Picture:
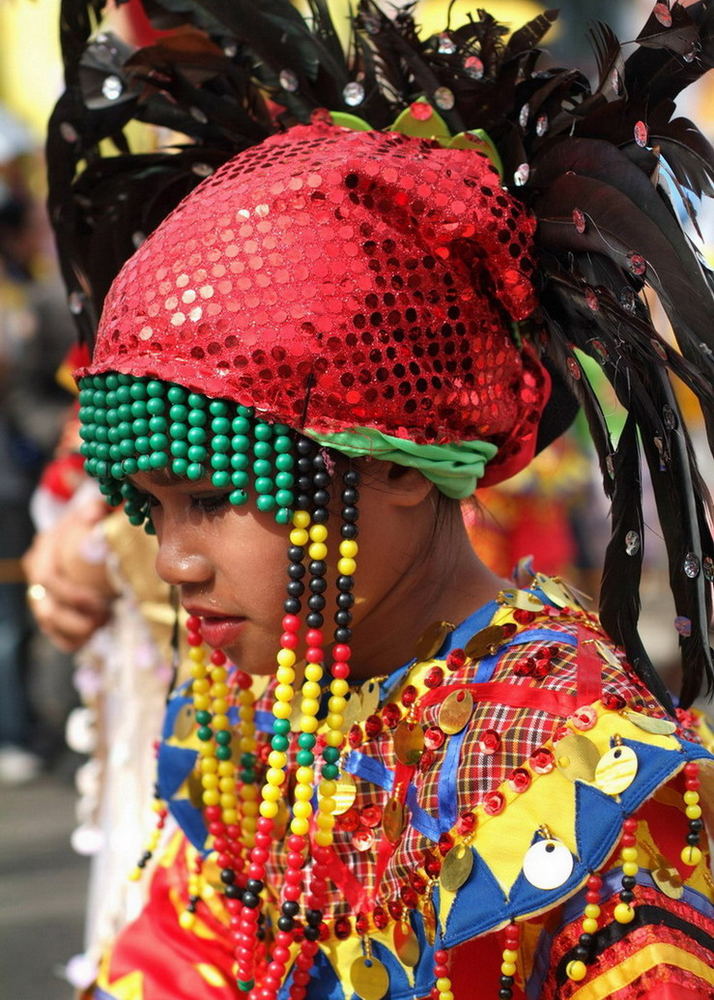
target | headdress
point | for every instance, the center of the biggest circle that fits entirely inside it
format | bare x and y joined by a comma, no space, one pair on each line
239,322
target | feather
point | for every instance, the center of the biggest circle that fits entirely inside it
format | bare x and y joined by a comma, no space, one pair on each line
531,34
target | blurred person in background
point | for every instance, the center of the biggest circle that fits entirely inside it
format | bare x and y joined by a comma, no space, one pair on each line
35,332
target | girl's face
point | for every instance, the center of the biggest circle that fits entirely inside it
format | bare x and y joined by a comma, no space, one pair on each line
230,565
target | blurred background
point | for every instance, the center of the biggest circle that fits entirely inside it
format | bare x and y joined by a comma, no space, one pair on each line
57,813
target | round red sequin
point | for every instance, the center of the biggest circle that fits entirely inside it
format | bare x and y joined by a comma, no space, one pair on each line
493,803
241,292
489,742
391,714
519,779
434,738
456,659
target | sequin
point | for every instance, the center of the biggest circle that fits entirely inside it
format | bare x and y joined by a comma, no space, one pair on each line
353,94
112,88
542,125
574,369
636,263
489,742
663,14
641,133
584,718
494,803
542,761
616,770
447,46
591,300
708,568
434,738
521,175
579,220
628,299
548,864
363,839
519,779
523,116
371,816
288,80
444,98
691,565
683,626
421,111
473,67
68,132
75,302
632,543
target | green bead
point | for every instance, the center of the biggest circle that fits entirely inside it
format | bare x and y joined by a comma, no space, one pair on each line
100,416
138,408
102,434
261,467
238,498
159,442
158,425
203,718
136,519
330,772
197,418
245,985
331,755
240,425
218,408
144,462
248,759
281,726
223,736
179,413
284,480
179,449
126,447
283,444
247,777
221,442
130,466
123,394
112,381
197,453
155,406
306,741
124,379
221,425
102,451
117,470
305,758
240,442
245,411
124,412
98,398
196,435
179,466
278,742
263,432
196,400
223,753
112,417
265,503
239,478
142,445
176,394
178,431
204,733
194,471
115,454
220,462
140,427
137,390
239,461
284,498
262,449
155,388
159,459
149,528
283,515
221,479
264,484
114,435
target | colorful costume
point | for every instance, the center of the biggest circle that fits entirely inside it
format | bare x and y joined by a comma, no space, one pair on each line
514,811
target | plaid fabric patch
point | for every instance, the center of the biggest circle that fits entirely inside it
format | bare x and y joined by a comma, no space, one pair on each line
468,767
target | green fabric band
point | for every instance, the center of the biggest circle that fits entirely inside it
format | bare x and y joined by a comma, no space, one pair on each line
454,468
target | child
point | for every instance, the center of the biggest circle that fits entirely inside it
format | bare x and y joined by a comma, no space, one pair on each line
450,786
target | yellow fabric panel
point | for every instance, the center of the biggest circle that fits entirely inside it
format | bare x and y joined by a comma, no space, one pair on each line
626,972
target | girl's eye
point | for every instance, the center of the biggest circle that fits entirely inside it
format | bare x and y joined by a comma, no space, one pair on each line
210,503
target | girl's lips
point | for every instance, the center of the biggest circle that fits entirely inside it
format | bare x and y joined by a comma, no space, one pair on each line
219,632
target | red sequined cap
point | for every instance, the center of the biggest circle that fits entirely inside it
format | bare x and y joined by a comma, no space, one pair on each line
335,279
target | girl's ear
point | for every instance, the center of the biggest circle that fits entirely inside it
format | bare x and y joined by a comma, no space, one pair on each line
402,486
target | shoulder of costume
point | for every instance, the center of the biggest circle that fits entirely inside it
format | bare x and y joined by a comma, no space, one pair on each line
531,841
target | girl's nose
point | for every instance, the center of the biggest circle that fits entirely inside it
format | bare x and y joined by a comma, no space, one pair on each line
179,560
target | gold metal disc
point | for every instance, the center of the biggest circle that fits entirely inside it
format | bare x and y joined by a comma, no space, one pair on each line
185,722
406,943
455,712
429,915
194,787
660,727
353,711
521,599
577,757
370,979
557,591
369,695
394,820
666,877
432,639
616,770
345,793
409,743
487,641
456,867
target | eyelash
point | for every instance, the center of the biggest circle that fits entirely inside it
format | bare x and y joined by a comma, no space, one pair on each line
207,503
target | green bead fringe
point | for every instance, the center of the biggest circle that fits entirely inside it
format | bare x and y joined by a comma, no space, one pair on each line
131,425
